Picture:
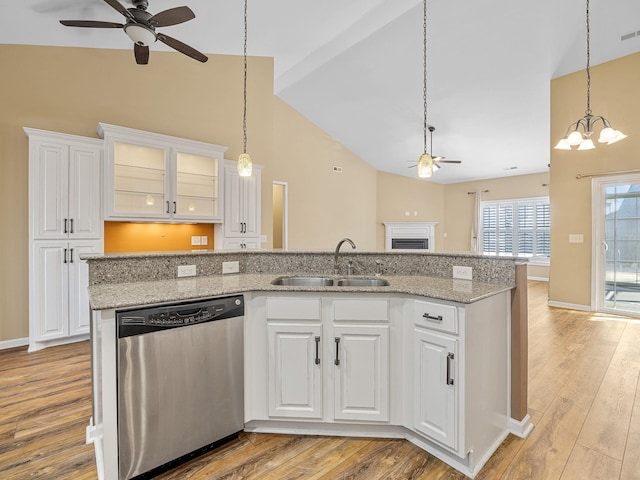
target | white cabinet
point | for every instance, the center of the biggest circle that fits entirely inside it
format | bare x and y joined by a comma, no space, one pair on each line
149,176
65,198
328,359
59,289
242,207
436,399
361,359
65,221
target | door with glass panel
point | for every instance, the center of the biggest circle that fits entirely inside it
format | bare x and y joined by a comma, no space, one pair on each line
616,204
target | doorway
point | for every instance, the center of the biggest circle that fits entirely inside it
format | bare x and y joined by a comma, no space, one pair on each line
280,215
616,208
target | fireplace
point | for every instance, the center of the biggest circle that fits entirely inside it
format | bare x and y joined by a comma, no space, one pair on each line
410,236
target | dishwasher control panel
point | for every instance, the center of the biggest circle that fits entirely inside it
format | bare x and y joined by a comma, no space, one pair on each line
145,320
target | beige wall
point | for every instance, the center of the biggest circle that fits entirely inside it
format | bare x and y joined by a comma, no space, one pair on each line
70,90
459,204
398,195
323,206
614,94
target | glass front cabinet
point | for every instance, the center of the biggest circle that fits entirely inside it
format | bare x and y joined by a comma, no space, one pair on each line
149,176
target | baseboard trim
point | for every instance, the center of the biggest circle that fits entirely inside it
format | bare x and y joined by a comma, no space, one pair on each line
570,306
521,428
538,279
16,342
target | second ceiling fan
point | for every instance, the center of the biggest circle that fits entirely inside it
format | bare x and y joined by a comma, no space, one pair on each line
437,160
141,28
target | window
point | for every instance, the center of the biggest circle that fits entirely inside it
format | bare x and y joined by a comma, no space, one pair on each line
516,227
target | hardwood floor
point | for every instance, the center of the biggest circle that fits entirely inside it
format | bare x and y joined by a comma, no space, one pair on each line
584,399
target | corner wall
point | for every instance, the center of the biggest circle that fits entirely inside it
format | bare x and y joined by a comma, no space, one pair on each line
614,95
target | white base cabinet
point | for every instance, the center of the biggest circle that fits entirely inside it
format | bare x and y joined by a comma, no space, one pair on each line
430,371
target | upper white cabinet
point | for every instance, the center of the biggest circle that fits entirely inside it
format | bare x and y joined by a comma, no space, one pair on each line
65,178
149,176
242,207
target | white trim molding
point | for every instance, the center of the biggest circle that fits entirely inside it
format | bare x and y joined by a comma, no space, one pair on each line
522,428
570,306
16,342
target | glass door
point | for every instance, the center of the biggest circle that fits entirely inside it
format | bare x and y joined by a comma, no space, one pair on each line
618,244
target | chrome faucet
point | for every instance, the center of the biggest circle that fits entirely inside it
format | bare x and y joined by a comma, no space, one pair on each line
336,270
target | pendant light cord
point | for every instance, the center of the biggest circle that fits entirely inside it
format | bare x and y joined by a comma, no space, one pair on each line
588,111
244,93
424,72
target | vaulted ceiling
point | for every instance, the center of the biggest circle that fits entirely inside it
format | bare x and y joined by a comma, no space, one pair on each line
354,67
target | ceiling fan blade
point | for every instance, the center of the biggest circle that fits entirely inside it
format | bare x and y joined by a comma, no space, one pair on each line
173,16
120,8
90,24
141,53
450,161
182,47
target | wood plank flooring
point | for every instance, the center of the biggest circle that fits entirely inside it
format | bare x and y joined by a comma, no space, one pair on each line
584,399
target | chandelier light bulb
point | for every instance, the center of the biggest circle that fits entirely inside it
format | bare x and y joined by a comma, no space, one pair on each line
618,135
563,145
606,134
586,145
574,138
244,165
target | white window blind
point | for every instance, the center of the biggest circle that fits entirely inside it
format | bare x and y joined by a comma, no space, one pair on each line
519,227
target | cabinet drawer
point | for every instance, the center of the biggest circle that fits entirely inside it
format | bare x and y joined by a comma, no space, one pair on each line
293,308
376,310
436,316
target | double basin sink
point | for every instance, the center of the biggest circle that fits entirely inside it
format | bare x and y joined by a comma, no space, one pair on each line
303,281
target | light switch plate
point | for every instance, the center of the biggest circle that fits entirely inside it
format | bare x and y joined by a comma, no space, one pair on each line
463,273
204,240
186,270
230,267
195,239
576,238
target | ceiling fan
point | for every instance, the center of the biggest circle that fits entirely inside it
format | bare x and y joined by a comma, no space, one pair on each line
437,160
141,28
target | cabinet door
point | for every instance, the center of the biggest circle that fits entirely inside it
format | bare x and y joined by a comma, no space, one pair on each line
250,201
85,187
49,189
78,293
295,370
48,309
137,181
233,214
361,372
196,186
435,380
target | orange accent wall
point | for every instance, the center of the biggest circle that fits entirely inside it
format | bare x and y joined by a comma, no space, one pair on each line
151,237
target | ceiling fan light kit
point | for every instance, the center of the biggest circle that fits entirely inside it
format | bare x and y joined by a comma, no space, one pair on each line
140,27
579,133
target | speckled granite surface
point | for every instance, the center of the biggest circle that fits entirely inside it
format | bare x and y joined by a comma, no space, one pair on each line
121,295
124,280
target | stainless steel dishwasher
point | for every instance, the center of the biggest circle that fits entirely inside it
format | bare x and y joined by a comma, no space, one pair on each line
180,382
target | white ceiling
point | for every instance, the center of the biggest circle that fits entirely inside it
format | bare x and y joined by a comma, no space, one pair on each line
354,67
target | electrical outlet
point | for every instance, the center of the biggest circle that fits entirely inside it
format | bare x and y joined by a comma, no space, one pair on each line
186,270
195,239
463,273
230,267
204,240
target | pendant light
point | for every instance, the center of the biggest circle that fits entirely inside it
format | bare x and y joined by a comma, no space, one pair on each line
244,160
425,162
582,139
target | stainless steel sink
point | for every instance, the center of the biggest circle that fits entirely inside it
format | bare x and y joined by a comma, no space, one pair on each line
362,282
303,281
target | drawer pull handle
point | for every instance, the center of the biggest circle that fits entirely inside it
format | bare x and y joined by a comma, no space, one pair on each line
450,358
65,226
431,317
71,223
317,351
337,360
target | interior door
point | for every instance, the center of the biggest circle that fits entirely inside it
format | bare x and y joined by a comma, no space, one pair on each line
616,207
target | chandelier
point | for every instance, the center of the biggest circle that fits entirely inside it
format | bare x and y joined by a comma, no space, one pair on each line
579,133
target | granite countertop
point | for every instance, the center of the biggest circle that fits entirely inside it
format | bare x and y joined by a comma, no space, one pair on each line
122,295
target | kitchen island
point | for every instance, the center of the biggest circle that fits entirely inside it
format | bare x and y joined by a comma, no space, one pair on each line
426,358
